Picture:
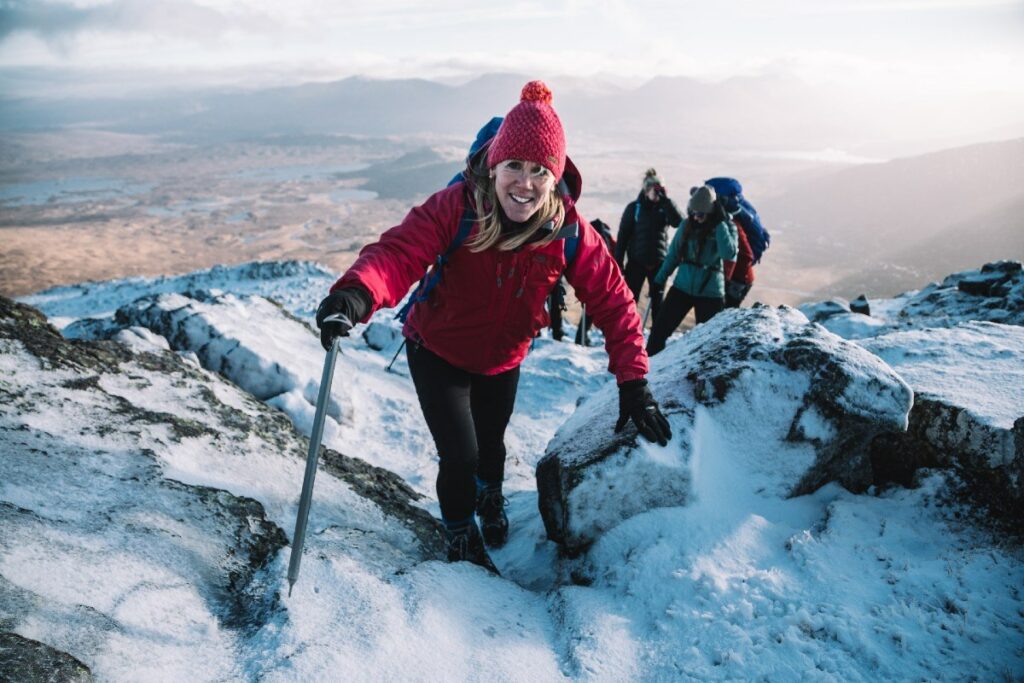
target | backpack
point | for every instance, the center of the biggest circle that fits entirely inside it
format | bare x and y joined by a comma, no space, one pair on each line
433,274
605,231
730,195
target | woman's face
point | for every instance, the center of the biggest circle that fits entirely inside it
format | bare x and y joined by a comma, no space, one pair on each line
521,187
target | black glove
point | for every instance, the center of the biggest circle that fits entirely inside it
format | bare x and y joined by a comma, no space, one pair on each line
660,193
636,402
345,307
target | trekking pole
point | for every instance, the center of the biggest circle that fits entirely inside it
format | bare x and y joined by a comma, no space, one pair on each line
299,537
647,313
583,326
394,357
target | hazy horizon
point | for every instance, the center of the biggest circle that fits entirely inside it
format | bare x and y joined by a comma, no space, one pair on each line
145,119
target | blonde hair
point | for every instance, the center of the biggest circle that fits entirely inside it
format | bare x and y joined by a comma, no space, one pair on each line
485,200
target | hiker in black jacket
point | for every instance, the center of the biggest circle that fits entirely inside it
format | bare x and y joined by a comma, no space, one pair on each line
643,238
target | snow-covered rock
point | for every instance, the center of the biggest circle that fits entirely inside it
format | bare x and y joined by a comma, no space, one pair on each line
144,503
968,384
993,293
382,336
861,305
229,335
817,401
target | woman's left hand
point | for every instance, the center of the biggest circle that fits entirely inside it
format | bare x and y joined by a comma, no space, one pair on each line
637,403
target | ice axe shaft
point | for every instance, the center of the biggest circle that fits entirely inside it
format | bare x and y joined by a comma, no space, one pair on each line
299,537
395,357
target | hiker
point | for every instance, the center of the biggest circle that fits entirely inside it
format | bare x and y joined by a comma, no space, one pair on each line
704,241
753,237
739,281
643,238
466,340
556,307
583,329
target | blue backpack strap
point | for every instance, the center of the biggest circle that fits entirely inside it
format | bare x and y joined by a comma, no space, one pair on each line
433,276
571,244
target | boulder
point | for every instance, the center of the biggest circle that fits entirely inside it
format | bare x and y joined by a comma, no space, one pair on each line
968,412
810,401
860,305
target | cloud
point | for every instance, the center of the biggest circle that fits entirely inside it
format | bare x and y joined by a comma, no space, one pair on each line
53,21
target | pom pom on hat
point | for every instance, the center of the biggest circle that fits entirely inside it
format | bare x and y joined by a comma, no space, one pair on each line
536,91
651,178
531,131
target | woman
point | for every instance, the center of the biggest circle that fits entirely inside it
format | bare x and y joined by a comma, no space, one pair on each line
704,240
468,337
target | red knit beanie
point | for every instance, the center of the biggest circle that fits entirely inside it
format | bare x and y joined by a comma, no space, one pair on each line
531,132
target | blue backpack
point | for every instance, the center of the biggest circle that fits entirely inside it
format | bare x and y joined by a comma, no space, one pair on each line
433,275
730,195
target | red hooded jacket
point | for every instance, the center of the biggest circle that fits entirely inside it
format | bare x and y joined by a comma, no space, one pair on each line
489,305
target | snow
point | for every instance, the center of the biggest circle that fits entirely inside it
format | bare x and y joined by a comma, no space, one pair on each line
736,582
975,365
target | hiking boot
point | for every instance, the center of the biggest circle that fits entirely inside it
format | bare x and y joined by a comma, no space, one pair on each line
490,507
466,545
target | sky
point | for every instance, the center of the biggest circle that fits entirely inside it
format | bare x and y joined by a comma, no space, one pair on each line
70,46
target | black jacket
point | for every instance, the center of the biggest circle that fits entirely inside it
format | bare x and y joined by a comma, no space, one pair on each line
643,231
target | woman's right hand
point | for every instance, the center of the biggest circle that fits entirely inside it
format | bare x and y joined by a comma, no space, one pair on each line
338,312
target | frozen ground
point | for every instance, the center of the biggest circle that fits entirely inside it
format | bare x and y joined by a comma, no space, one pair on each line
890,585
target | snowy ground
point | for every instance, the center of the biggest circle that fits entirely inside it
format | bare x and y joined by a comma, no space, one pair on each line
737,586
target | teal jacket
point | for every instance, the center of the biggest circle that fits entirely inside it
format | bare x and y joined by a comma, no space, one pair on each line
700,274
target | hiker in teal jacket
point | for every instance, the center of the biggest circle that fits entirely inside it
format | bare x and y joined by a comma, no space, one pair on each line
704,241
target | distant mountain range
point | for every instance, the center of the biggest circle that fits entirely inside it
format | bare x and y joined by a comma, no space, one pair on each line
680,114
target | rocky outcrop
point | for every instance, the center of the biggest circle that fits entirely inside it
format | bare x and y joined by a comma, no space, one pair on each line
769,371
127,480
29,661
995,293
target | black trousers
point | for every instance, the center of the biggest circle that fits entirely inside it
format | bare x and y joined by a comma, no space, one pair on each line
677,304
735,293
467,415
635,274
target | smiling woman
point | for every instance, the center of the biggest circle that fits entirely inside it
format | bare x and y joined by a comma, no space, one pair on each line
468,337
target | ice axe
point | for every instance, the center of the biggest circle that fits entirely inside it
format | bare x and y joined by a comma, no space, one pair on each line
395,357
299,537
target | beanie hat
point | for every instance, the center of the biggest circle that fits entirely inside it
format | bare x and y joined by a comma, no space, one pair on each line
651,179
702,199
531,132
